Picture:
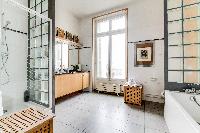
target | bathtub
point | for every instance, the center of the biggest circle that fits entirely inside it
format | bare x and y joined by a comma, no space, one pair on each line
182,114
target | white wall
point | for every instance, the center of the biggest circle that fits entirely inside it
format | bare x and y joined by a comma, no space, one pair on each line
65,19
17,61
145,22
69,22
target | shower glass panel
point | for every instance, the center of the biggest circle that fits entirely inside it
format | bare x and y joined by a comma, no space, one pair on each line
183,41
39,42
27,35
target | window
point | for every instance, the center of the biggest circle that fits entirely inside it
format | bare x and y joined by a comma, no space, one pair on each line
111,47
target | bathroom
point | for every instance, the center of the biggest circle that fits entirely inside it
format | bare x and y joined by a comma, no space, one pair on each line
97,66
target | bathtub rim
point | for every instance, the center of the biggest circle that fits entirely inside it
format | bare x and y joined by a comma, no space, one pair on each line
186,115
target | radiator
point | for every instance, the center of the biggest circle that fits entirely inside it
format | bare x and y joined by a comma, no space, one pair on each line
108,87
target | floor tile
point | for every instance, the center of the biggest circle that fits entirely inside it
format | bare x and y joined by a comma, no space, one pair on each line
101,113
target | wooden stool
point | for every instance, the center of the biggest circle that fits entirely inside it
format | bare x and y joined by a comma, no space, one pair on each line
133,95
27,121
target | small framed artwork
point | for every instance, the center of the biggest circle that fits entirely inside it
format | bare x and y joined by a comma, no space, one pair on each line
144,53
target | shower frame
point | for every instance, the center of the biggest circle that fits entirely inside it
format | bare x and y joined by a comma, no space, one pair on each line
51,41
41,35
175,86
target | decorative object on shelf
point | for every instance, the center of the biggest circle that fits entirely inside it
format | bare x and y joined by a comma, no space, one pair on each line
70,37
75,68
29,120
76,39
66,35
144,54
60,33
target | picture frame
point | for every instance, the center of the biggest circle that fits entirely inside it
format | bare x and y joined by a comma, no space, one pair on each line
144,54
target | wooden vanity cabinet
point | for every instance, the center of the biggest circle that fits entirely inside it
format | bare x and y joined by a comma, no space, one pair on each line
69,83
86,80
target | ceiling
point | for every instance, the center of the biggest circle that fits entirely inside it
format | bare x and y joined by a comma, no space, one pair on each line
83,8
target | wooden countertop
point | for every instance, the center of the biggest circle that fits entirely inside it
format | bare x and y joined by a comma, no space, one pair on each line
69,73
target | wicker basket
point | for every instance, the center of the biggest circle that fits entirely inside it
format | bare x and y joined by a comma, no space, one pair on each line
133,95
27,121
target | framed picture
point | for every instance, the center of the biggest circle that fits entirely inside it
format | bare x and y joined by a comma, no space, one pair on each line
144,53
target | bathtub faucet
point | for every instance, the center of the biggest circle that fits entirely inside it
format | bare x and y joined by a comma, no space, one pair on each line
193,90
196,91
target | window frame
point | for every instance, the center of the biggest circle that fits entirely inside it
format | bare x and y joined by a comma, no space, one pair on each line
110,33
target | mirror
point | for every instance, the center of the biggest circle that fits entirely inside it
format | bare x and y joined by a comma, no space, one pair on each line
66,55
73,55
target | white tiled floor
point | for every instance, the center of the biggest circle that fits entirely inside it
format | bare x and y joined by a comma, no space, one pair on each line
100,113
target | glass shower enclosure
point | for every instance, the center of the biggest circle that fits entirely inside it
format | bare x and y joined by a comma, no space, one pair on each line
183,39
25,54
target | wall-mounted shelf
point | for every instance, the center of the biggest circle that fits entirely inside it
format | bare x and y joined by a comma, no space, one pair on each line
68,42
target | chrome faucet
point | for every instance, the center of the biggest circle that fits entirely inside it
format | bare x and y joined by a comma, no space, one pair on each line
193,90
